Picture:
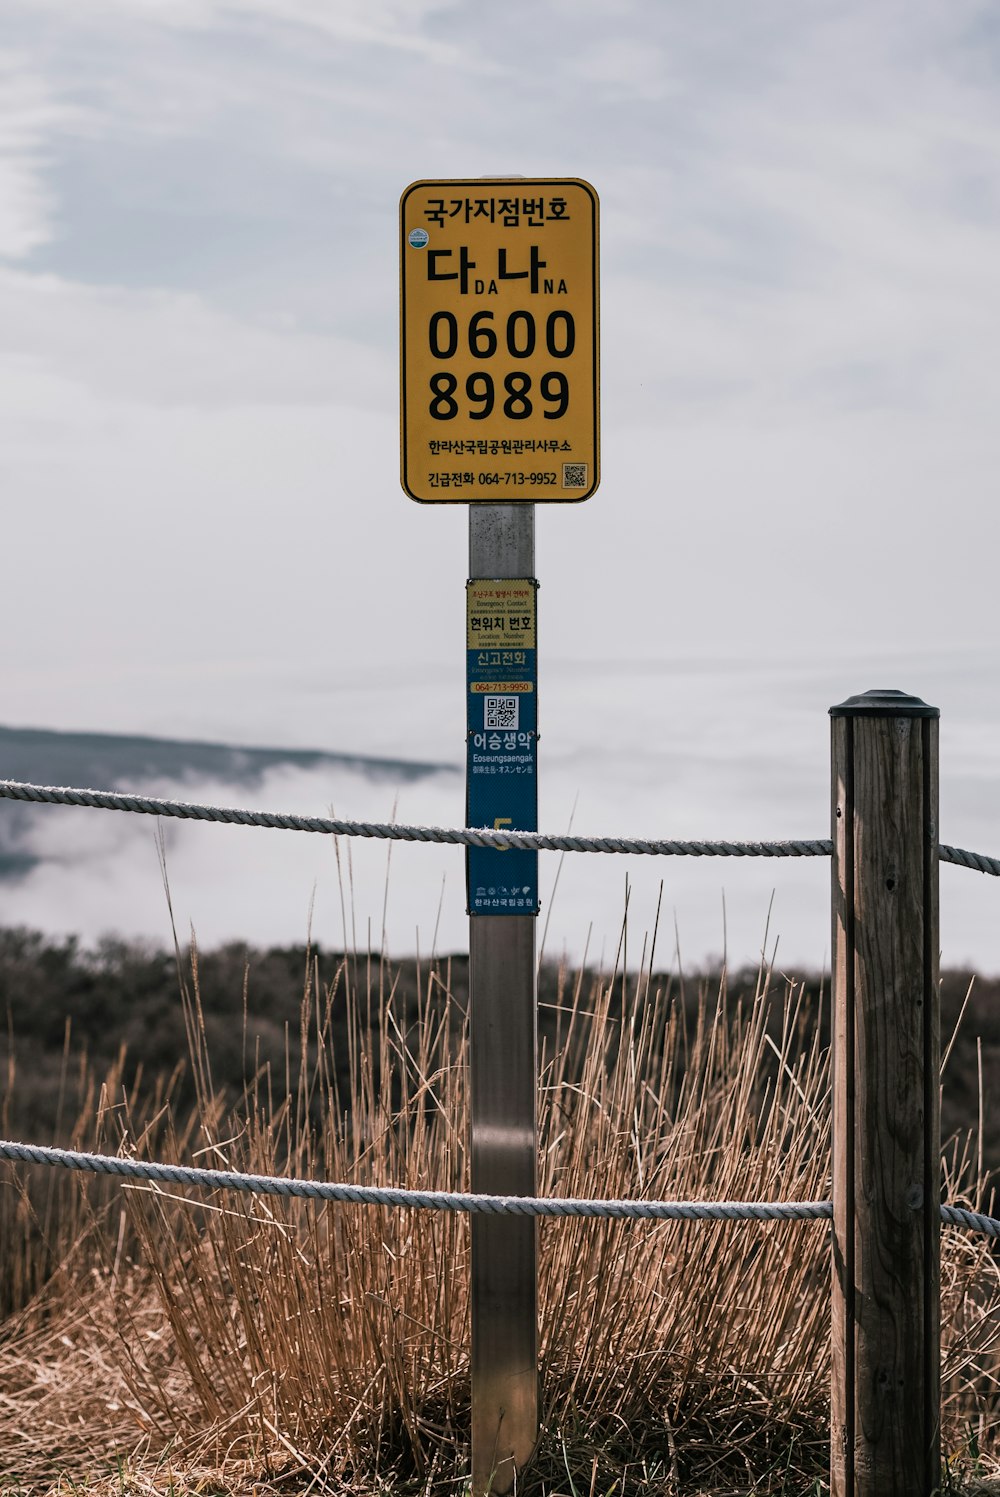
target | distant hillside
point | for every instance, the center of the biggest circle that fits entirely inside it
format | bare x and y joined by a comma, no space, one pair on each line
111,761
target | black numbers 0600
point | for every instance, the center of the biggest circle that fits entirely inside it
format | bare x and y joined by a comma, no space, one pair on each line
482,340
520,334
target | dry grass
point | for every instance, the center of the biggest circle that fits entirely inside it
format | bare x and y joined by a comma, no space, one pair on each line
237,1345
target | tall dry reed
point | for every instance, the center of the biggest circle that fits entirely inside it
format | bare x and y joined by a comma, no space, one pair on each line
328,1344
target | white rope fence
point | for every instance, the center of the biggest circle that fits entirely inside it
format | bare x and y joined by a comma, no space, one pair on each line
208,1179
445,1200
108,800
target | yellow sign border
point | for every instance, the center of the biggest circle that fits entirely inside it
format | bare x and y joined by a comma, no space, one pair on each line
526,493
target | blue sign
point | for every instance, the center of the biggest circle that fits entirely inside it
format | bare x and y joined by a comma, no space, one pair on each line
502,762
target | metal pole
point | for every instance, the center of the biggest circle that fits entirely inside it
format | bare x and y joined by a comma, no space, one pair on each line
503,1042
885,1395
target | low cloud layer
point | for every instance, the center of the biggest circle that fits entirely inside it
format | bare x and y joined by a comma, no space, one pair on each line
198,388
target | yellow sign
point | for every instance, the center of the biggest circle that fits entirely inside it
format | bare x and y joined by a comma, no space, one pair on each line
499,341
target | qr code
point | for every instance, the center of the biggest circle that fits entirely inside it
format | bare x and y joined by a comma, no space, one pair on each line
501,712
574,475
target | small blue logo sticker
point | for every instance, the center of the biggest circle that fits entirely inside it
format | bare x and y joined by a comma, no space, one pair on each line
418,238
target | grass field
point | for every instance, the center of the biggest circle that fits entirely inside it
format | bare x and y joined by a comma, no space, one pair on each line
157,1341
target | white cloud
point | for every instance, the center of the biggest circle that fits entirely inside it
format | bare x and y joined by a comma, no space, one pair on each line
28,117
625,68
173,348
395,24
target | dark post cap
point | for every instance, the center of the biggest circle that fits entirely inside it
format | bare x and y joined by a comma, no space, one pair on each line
884,703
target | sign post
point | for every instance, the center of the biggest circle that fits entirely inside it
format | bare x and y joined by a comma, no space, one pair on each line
499,410
503,901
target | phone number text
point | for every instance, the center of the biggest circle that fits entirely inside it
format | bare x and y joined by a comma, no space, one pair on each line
457,480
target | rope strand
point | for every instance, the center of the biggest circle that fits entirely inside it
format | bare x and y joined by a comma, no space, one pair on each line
446,1200
147,805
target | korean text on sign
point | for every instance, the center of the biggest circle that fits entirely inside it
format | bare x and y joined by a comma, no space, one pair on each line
499,341
502,753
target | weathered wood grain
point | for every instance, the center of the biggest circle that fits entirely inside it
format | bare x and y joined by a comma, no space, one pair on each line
885,1438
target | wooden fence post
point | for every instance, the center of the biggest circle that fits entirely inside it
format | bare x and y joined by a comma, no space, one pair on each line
885,1395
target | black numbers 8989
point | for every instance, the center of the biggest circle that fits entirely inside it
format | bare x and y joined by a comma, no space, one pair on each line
482,396
517,393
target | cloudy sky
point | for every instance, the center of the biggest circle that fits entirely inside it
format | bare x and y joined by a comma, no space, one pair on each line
204,530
